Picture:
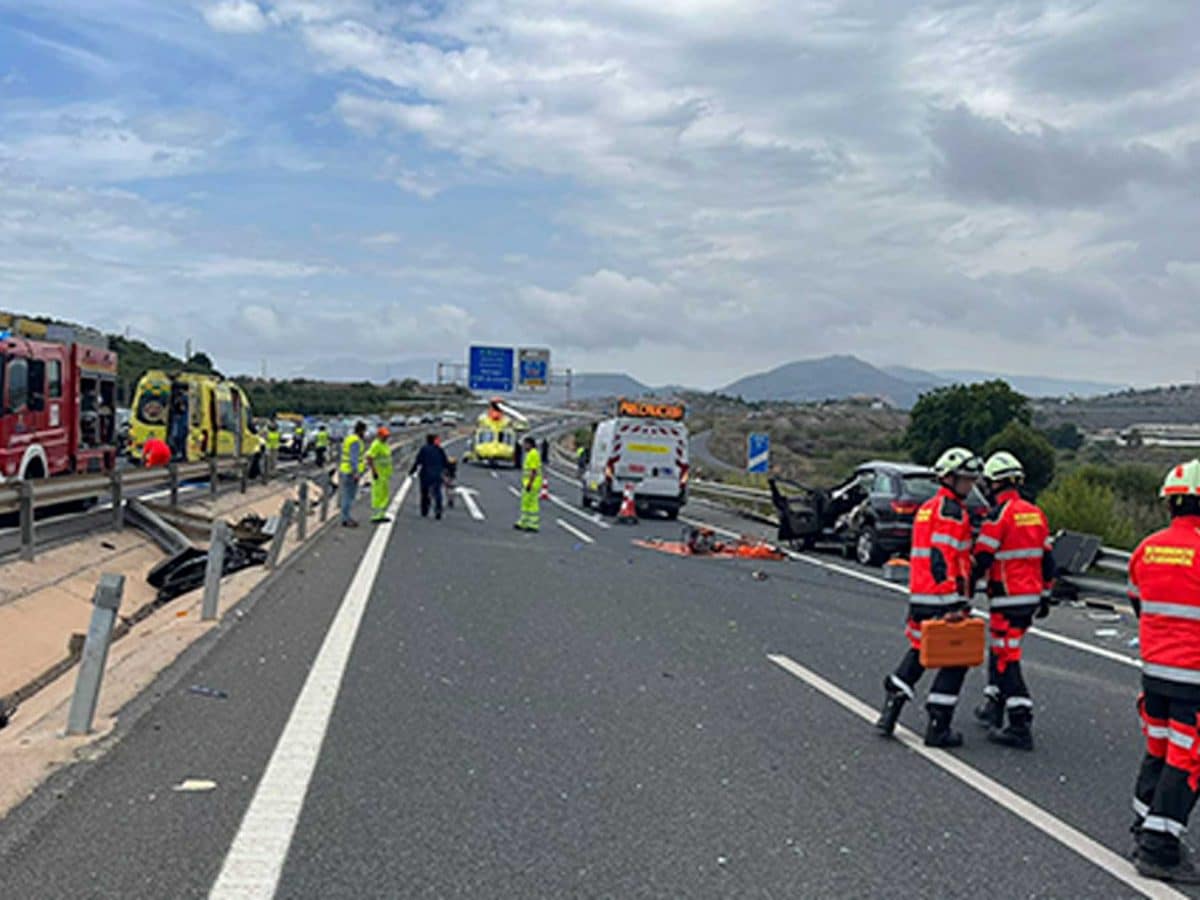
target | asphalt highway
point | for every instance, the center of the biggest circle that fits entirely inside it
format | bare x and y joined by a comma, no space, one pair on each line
499,714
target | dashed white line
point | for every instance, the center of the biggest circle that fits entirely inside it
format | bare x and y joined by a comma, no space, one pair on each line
255,860
567,526
593,518
1051,825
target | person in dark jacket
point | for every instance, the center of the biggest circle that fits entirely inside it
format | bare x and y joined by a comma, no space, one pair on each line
431,464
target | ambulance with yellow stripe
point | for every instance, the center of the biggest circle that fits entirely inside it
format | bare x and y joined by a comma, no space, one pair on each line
645,445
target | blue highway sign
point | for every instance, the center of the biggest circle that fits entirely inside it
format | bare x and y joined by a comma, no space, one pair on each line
491,369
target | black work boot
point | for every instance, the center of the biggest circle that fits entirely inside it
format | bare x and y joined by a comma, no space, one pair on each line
1162,856
1018,733
938,732
893,702
990,713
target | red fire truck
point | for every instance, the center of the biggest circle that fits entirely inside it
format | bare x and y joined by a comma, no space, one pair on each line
58,390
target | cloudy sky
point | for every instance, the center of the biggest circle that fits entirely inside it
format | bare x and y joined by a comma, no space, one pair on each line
684,189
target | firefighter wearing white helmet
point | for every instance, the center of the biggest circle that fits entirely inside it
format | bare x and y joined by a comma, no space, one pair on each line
1013,552
939,587
1164,588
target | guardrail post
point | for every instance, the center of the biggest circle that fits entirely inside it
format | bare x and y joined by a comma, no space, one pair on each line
212,476
25,496
264,466
214,570
118,500
173,476
105,603
285,522
326,491
302,522
243,473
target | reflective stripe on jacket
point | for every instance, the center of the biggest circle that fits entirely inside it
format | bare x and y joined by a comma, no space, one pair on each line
940,562
1164,575
1013,548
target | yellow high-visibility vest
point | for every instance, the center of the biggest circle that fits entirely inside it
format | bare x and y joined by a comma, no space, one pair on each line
347,454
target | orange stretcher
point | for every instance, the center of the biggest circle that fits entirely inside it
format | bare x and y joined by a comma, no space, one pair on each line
701,542
951,643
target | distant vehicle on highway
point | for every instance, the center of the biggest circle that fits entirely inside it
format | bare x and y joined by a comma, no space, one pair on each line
428,418
449,417
413,421
868,517
645,445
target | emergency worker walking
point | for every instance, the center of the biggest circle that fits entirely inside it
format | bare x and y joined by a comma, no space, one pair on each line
350,468
379,460
1013,551
531,488
939,587
298,437
1164,588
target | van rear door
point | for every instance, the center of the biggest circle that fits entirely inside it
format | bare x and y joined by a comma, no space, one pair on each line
651,455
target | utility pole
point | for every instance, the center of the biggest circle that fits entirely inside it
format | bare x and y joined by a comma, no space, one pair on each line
187,350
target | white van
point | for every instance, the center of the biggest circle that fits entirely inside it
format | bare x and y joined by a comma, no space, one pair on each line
649,453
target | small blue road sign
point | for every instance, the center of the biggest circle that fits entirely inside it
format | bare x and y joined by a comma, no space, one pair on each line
758,453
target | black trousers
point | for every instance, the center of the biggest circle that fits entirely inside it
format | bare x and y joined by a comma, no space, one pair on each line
1169,775
947,683
431,495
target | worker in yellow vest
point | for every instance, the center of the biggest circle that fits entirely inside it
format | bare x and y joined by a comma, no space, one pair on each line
531,488
321,442
379,461
352,465
273,441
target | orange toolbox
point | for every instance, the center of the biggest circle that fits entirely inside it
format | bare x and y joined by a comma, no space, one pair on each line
946,644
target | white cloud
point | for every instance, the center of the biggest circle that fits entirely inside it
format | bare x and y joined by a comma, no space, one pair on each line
235,17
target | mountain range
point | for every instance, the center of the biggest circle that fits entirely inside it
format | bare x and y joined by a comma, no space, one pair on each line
836,377
847,376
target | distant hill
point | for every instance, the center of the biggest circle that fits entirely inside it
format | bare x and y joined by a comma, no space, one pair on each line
828,377
1030,385
593,385
1174,405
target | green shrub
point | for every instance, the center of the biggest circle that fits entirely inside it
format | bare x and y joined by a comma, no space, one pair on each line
1078,503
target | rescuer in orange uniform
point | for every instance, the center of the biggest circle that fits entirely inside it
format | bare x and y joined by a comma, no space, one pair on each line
1164,588
1013,551
939,585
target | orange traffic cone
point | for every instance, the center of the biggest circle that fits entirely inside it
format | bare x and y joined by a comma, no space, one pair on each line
628,513
545,494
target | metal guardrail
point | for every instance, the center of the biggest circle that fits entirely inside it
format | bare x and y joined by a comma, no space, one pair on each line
25,498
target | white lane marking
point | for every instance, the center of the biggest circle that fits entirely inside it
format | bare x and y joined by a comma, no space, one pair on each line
567,526
468,497
1065,834
1053,636
255,860
592,518
495,474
